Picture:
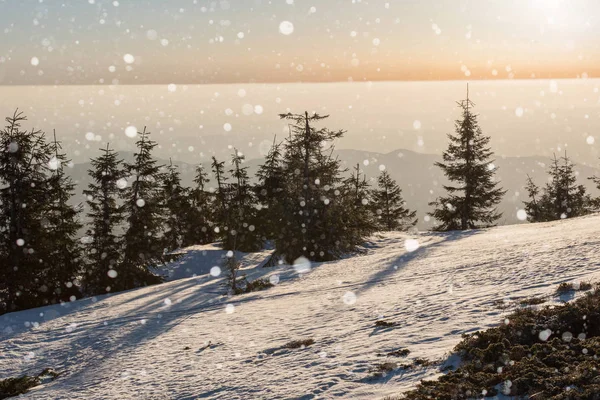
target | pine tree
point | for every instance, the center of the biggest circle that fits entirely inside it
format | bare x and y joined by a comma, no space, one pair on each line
594,203
555,192
534,207
561,198
242,210
176,203
63,258
201,230
358,206
105,216
471,203
269,190
233,283
24,158
576,201
314,221
390,208
221,203
145,213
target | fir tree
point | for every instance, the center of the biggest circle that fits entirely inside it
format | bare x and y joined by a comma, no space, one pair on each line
390,208
270,187
533,207
145,213
314,221
561,197
176,204
201,213
233,283
358,206
594,203
555,193
105,216
24,158
242,210
471,203
63,259
221,207
575,200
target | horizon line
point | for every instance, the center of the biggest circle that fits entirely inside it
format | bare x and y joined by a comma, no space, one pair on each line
303,82
366,151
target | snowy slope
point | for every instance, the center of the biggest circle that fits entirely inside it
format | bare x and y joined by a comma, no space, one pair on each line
132,344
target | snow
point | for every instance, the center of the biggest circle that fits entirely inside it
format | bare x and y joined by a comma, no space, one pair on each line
197,261
131,131
129,59
286,28
133,344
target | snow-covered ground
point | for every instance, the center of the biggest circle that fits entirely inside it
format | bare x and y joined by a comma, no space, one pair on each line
185,340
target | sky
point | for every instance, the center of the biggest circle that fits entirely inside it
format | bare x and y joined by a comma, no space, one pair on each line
191,123
246,41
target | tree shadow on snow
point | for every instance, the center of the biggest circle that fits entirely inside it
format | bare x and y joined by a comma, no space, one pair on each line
423,251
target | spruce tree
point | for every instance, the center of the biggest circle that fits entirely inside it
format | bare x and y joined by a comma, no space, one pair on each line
561,197
594,203
233,283
144,211
535,207
63,258
390,208
242,210
555,192
201,230
358,206
221,201
24,157
104,246
315,219
471,202
576,201
269,190
333,220
178,209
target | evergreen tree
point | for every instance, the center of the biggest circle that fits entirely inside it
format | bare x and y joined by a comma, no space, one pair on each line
104,245
63,258
575,200
24,158
390,208
221,203
594,203
201,213
470,203
233,282
176,203
270,188
145,213
314,221
243,209
561,197
533,207
555,194
358,206
333,221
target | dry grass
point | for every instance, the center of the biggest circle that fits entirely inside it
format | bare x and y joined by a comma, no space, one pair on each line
532,301
299,344
568,287
384,324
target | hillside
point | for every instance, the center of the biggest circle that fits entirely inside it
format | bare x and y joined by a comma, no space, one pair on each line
416,174
185,340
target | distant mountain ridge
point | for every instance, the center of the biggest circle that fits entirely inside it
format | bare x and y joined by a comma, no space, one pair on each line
416,174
